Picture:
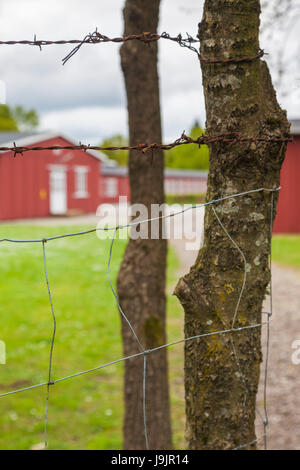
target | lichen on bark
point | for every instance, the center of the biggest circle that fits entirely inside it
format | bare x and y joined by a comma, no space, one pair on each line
239,98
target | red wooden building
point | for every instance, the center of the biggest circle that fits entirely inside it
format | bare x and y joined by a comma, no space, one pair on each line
47,182
288,213
58,182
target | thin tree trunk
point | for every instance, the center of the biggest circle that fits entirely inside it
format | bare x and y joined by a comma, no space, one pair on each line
141,280
239,98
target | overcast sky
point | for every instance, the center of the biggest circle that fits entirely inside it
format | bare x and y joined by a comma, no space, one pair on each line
85,99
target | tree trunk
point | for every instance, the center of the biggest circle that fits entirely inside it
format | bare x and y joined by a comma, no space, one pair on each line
141,280
239,98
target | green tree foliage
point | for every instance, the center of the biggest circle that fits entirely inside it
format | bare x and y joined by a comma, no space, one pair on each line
120,156
189,157
17,119
26,120
7,120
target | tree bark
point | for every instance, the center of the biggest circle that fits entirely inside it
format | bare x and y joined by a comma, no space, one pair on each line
141,280
239,97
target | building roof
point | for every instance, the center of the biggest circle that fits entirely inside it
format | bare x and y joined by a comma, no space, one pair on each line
170,172
295,126
14,136
8,139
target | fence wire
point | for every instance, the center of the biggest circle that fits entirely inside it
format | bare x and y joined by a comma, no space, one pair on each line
146,38
230,138
230,329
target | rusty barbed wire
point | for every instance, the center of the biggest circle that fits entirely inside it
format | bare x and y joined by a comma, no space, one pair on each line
145,37
96,38
229,138
233,60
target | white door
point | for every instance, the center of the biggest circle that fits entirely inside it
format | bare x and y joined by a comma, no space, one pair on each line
58,191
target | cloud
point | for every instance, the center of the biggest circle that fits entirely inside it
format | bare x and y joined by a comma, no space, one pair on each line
87,96
85,81
88,124
38,79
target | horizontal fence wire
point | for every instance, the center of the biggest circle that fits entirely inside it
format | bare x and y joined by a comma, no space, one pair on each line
146,37
231,330
231,138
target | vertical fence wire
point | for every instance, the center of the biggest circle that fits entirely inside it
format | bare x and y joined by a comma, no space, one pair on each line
266,418
237,361
134,334
52,343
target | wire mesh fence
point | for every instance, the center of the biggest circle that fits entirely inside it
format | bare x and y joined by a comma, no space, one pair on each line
146,352
229,139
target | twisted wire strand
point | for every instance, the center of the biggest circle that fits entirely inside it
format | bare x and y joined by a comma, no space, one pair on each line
132,224
132,356
145,37
231,138
144,352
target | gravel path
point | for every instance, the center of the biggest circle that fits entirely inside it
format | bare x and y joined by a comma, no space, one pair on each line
284,377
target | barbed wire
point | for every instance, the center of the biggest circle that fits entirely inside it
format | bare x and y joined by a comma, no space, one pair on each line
145,352
229,138
145,37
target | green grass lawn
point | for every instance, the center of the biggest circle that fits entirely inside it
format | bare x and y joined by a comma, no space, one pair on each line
84,412
286,250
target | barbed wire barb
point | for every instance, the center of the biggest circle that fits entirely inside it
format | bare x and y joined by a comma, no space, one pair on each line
145,37
231,138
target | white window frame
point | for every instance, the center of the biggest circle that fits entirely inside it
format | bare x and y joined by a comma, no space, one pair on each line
111,187
81,182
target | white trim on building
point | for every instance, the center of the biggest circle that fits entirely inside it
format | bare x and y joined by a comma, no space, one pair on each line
81,182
